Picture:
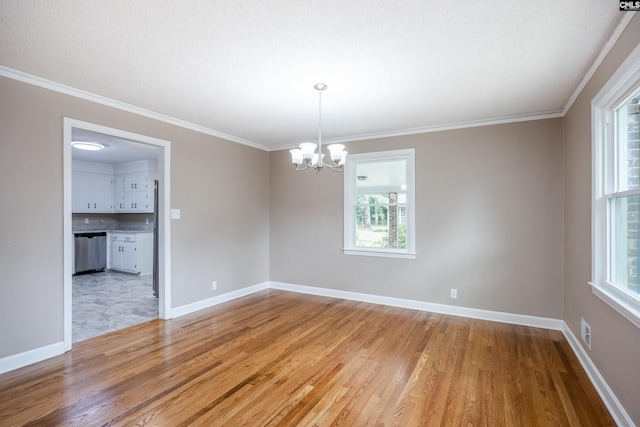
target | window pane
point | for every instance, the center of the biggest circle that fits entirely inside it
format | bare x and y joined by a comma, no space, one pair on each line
628,145
381,227
370,235
624,243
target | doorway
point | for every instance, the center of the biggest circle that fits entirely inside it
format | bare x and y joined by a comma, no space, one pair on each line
73,128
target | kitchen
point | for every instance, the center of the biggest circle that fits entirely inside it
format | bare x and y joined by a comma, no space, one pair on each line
114,214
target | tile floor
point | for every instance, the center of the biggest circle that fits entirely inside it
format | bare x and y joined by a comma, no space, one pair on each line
107,301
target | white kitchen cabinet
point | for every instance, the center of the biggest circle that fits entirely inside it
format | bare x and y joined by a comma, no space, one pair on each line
118,193
134,192
91,192
131,252
123,252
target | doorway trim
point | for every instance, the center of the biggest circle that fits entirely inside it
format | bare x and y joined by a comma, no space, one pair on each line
163,226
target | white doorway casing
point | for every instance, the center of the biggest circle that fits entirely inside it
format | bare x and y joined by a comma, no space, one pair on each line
163,226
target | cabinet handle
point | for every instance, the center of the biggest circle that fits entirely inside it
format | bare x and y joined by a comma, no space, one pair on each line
135,185
95,206
88,205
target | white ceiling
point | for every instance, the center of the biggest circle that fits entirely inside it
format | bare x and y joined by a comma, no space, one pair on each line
116,151
246,68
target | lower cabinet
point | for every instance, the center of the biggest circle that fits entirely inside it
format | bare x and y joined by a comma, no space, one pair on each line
131,252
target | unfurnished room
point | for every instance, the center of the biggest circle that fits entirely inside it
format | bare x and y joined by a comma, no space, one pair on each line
309,213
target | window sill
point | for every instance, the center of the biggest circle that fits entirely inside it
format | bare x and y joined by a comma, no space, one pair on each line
378,253
618,303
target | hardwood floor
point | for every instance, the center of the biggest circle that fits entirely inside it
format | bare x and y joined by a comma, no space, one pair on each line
279,358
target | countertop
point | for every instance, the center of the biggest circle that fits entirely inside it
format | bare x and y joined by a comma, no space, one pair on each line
112,231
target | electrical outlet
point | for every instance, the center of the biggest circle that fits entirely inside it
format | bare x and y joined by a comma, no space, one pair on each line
214,285
86,220
454,293
585,333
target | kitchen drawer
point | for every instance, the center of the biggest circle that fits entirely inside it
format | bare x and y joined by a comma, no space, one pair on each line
122,237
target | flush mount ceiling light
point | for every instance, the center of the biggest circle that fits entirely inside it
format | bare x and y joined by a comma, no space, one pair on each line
306,157
87,145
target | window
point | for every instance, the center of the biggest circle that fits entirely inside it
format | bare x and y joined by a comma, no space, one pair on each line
379,204
616,190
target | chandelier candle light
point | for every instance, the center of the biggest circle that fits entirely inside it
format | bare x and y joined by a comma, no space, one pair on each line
306,157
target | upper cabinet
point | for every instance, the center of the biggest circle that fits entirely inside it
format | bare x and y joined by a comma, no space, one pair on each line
92,192
102,188
134,192
133,186
91,187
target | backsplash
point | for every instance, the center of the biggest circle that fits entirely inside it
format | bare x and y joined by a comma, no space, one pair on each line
112,222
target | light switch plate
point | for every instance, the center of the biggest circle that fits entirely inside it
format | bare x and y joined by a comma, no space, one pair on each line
175,213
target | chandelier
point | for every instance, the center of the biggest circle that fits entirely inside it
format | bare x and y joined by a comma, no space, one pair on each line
306,157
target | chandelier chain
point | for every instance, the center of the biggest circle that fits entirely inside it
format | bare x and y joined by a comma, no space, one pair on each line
320,121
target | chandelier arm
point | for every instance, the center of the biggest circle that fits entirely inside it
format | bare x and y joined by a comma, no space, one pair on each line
336,168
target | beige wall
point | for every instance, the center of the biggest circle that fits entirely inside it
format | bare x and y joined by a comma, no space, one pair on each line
220,187
489,222
615,347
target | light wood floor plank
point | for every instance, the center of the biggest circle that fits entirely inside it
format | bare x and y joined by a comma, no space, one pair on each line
283,359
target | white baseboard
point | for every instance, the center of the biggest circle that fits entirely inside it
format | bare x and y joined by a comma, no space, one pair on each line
610,400
474,313
20,360
219,299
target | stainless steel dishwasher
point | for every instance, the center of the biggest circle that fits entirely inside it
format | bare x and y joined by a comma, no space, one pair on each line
90,252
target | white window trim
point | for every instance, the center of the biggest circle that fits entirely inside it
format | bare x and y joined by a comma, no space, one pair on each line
619,86
349,189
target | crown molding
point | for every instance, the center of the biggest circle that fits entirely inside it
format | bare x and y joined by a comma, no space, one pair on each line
58,87
68,90
501,120
435,128
603,53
